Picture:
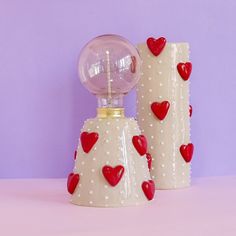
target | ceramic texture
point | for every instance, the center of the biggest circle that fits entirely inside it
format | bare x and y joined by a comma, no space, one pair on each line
161,82
113,148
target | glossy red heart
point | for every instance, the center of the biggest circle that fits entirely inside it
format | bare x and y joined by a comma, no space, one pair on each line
160,109
149,189
156,45
140,144
72,181
190,110
184,70
149,160
88,140
75,154
187,151
113,175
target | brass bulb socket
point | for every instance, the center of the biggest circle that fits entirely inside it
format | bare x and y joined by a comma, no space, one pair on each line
110,112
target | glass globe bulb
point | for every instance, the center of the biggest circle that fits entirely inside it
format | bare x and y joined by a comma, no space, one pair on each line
109,67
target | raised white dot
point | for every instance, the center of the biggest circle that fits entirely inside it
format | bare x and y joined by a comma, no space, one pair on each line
82,163
149,114
107,141
150,125
149,66
122,202
107,131
95,148
152,168
106,197
78,195
94,159
160,96
161,84
162,143
105,186
117,127
183,173
92,170
91,192
149,78
160,61
163,174
153,177
142,96
80,185
81,173
152,147
142,119
163,154
91,181
159,72
90,202
162,131
152,137
107,162
142,108
150,90
108,123
142,85
162,165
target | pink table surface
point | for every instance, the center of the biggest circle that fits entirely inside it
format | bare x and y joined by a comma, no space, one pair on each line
41,207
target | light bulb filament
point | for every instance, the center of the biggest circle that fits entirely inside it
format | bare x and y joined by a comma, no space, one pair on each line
108,77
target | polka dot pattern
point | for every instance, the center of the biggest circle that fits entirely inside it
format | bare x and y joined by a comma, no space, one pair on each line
160,81
114,147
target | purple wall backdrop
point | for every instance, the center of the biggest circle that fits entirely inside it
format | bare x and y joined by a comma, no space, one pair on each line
42,103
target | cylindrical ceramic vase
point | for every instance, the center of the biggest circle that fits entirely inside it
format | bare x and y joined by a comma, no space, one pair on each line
163,113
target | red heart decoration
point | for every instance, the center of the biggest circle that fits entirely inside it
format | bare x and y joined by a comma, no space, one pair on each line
190,110
72,181
156,45
187,151
149,189
75,154
160,109
184,70
88,140
113,174
149,160
140,144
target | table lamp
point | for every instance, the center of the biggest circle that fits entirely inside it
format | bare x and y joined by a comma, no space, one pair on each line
111,162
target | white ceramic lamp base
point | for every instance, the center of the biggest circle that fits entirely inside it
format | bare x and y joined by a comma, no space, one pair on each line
109,171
